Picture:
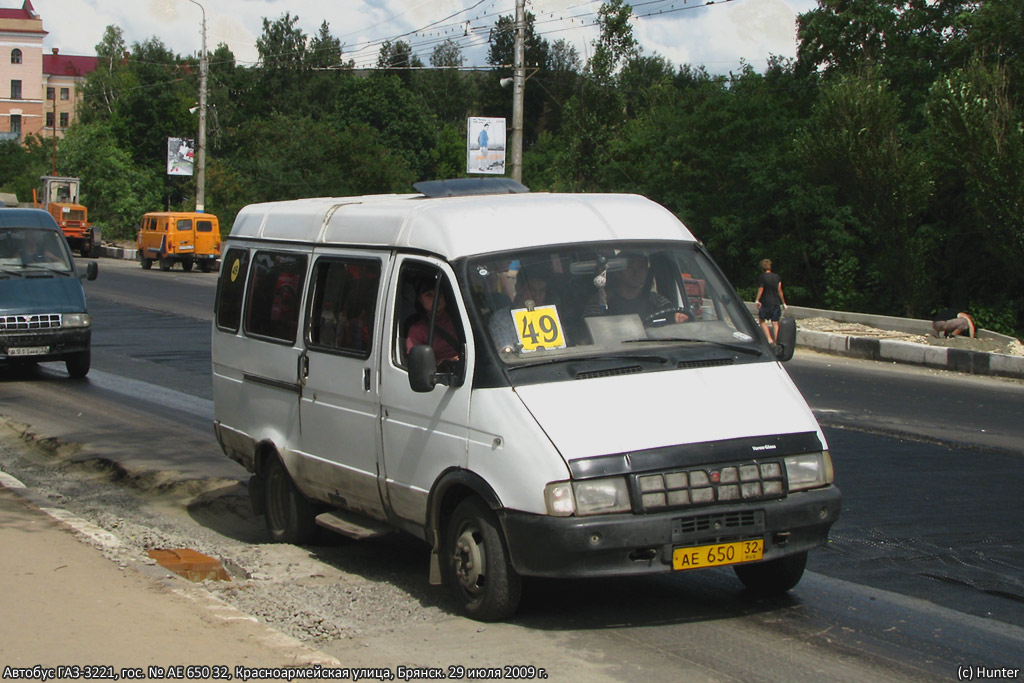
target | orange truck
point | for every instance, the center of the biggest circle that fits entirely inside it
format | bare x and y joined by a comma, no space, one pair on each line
60,200
184,237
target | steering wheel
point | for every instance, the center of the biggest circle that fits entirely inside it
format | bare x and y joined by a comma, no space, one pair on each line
666,316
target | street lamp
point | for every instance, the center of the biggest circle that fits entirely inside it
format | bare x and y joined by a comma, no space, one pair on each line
201,143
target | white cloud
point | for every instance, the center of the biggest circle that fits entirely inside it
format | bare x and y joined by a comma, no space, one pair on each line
717,35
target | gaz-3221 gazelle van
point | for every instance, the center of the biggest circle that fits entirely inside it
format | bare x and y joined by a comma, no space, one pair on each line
558,385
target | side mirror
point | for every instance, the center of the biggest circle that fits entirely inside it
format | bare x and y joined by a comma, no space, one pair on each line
785,345
421,369
92,270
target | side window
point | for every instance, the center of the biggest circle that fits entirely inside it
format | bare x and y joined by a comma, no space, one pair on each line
185,224
418,294
204,226
344,304
230,288
275,286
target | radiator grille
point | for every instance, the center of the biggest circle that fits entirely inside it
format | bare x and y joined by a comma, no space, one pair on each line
28,323
727,483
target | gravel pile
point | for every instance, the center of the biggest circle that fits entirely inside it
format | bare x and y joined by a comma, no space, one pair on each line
1014,348
336,590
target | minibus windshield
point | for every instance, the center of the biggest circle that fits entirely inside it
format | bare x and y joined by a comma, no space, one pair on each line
27,249
570,302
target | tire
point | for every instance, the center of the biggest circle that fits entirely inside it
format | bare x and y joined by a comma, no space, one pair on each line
289,516
147,263
204,266
476,566
773,577
186,264
86,251
165,263
78,364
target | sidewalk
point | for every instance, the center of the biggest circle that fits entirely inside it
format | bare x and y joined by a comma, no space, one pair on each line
58,593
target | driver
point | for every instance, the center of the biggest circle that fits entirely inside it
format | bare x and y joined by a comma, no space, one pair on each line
629,291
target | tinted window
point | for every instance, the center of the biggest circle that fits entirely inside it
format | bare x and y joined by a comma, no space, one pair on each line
344,304
275,286
230,288
204,226
185,224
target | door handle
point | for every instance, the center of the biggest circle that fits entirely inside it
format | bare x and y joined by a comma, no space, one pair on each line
303,368
366,379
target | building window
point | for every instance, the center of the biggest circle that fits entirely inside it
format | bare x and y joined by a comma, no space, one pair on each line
65,93
49,93
15,56
49,119
16,123
15,90
63,119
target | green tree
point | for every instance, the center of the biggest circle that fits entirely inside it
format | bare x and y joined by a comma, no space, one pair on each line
116,189
857,150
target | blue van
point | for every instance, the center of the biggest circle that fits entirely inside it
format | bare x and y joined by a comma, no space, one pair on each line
43,316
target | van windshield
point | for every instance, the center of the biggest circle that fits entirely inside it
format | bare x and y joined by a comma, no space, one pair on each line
27,249
630,299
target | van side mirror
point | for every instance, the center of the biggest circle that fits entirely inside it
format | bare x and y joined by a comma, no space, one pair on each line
422,365
785,345
92,270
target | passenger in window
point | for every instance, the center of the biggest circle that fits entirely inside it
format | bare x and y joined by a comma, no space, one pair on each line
532,289
446,342
629,291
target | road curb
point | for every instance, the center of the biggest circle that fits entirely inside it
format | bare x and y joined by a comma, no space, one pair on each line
118,253
898,351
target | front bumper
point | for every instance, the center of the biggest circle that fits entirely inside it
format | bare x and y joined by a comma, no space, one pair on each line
62,342
603,545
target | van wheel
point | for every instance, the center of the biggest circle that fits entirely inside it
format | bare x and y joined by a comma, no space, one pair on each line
773,577
186,265
476,566
165,263
289,515
78,364
147,263
204,266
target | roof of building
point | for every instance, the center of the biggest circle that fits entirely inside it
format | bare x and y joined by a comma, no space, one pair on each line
56,64
27,11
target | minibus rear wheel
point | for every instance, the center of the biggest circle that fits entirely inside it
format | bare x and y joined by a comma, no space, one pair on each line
289,516
476,565
773,577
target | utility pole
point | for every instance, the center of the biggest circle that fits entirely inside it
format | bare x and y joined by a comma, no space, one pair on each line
201,142
518,88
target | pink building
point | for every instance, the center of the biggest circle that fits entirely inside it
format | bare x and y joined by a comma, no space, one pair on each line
38,92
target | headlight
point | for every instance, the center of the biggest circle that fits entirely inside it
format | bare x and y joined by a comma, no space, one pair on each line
809,470
590,497
76,320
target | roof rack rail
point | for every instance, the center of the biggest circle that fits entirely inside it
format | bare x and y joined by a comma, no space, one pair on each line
461,187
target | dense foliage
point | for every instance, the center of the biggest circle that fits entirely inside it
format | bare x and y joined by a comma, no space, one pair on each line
882,170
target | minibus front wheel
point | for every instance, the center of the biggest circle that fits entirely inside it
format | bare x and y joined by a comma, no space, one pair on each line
288,514
773,577
476,564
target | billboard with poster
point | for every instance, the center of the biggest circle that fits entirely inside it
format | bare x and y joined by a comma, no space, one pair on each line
180,156
485,145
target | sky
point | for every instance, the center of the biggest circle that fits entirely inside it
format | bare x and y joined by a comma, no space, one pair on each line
716,35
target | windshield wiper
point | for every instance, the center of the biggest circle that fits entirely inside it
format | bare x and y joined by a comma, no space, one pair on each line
7,271
569,359
36,266
732,347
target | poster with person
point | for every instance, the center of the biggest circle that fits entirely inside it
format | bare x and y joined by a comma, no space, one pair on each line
485,145
180,156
